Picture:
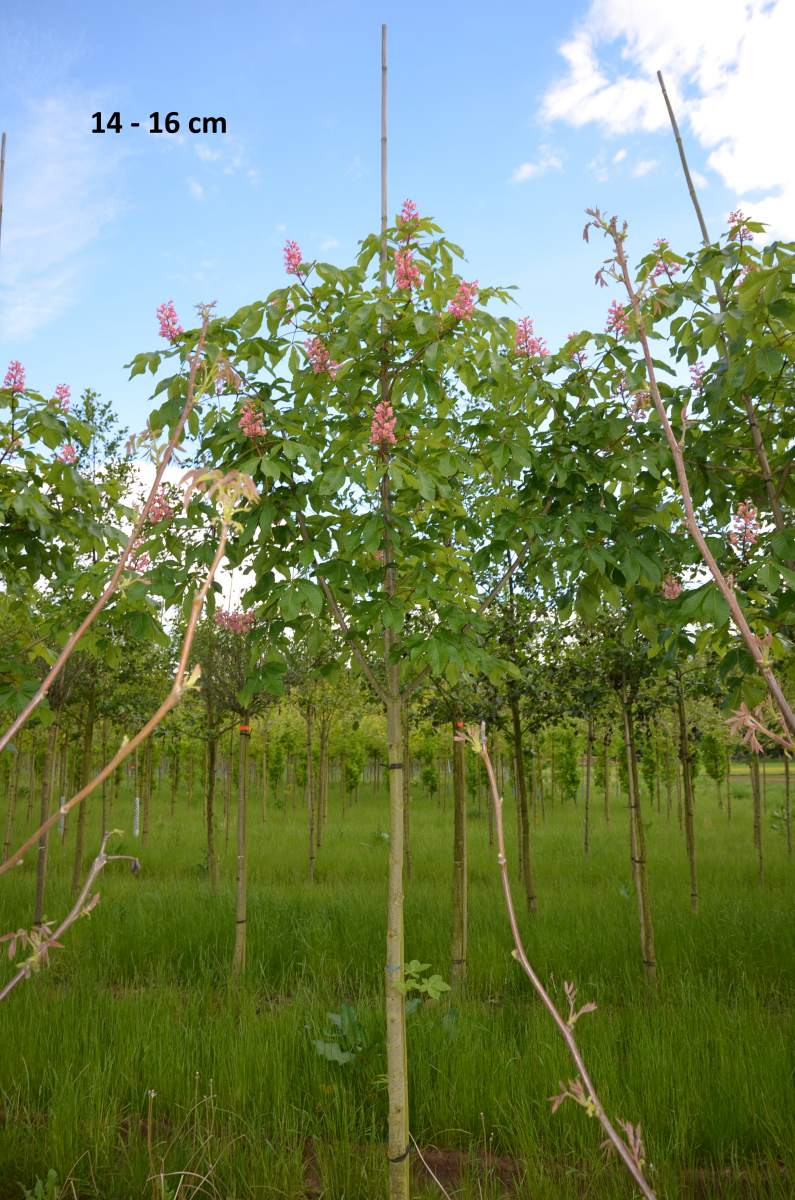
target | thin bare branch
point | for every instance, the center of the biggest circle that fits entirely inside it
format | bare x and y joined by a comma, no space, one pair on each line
477,740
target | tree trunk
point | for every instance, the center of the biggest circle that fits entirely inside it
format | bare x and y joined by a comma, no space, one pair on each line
310,789
209,808
239,961
45,796
396,1051
757,797
174,780
85,776
638,849
458,967
103,750
406,779
686,759
787,806
728,787
587,822
147,788
12,801
606,751
521,798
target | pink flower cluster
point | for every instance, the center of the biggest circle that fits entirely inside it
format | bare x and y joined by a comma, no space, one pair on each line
579,356
161,510
617,320
382,429
526,344
408,217
407,273
697,375
251,422
139,561
319,358
63,394
68,454
738,226
745,526
235,622
15,376
170,327
292,258
671,587
463,303
661,267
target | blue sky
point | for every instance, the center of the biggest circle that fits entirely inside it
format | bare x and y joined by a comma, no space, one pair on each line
505,123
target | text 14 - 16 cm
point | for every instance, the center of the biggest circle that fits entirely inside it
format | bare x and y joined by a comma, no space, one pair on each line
160,123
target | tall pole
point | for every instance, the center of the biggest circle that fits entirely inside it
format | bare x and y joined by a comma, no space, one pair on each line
2,176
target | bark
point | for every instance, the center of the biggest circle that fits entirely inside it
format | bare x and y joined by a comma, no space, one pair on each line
458,956
525,861
12,801
638,849
606,751
686,759
104,794
45,797
147,789
587,821
406,778
209,808
757,799
310,788
239,960
175,773
787,806
265,779
85,776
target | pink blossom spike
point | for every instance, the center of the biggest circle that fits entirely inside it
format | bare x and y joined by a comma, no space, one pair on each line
15,376
170,327
462,305
292,258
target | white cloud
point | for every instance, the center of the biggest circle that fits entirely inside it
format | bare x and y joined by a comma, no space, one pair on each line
195,188
60,194
206,153
329,243
699,180
619,155
547,160
727,67
644,167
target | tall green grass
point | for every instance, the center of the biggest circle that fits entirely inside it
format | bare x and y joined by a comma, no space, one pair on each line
139,1001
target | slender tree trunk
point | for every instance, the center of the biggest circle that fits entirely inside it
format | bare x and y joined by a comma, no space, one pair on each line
103,750
209,804
239,960
175,773
85,776
45,795
147,789
406,777
787,806
587,822
397,1066
686,759
31,778
757,798
607,778
521,797
458,967
13,792
728,787
638,849
310,788
322,782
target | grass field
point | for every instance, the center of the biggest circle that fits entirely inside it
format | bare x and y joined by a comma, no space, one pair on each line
139,1002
